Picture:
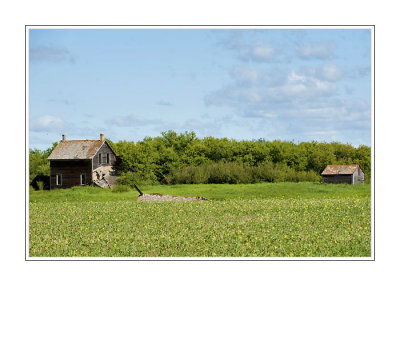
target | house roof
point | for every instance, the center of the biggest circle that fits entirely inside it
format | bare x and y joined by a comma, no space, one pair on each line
76,150
340,169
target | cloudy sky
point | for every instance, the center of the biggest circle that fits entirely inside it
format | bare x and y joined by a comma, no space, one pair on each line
295,85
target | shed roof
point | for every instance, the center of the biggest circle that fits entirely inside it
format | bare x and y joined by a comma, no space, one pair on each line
76,150
340,169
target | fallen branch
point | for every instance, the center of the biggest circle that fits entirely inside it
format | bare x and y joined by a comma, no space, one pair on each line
137,188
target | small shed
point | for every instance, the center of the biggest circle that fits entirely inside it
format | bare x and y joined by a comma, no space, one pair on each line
351,174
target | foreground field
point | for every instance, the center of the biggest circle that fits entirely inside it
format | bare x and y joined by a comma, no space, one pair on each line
279,226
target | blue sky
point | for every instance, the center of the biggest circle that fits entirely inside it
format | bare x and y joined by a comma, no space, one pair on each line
295,85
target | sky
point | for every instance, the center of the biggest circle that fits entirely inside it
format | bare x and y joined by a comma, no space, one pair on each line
287,84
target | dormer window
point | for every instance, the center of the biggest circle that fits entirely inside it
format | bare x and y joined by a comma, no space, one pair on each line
99,158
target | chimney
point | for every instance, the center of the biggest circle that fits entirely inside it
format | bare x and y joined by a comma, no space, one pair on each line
64,137
101,137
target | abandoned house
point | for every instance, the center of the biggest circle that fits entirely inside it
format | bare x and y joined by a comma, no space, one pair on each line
350,174
82,162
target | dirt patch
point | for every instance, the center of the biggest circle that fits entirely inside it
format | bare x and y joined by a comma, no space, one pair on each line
161,197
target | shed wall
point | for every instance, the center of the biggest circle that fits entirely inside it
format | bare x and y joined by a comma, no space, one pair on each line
359,179
337,178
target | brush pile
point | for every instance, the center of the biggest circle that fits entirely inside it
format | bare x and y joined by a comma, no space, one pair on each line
155,197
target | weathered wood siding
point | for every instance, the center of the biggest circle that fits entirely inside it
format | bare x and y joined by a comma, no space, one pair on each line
337,178
104,150
71,171
359,176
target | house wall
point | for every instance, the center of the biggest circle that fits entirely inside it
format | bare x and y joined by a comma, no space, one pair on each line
337,178
103,151
70,171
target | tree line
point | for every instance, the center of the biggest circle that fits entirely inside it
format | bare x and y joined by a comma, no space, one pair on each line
173,158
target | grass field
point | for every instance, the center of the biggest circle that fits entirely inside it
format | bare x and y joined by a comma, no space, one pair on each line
260,220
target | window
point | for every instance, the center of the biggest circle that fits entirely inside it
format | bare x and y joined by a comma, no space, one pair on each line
99,158
83,179
108,158
58,179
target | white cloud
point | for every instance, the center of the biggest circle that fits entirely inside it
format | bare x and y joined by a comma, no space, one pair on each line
256,86
47,123
327,72
303,86
251,88
245,74
261,52
50,53
331,72
359,72
298,103
319,51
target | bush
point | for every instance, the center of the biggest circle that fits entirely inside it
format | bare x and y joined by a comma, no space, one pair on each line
233,173
40,182
130,179
218,172
40,185
120,189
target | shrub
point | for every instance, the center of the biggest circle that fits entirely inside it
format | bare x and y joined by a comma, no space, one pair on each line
40,182
234,173
130,178
40,185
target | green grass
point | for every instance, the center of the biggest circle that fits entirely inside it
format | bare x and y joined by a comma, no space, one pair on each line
284,190
260,220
